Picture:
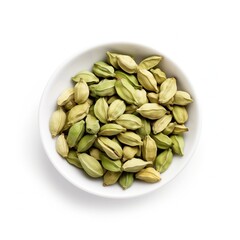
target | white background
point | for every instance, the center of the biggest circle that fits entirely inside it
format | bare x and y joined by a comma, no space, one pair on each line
202,37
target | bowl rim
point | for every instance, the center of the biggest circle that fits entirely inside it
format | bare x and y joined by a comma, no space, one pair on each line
102,45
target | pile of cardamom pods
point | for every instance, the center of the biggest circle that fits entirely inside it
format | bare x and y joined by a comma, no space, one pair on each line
122,121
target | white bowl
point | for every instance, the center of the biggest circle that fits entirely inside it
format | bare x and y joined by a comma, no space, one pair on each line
61,79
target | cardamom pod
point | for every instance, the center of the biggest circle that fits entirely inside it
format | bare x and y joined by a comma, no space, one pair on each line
149,175
104,88
180,114
111,148
78,112
131,109
182,98
86,142
149,62
61,146
72,158
149,149
178,144
110,178
179,128
129,152
116,109
94,152
101,109
145,129
69,105
116,141
126,180
141,97
163,160
111,99
92,124
125,91
81,92
75,133
159,125
129,121
159,75
152,97
110,165
129,138
90,165
131,79
170,128
111,129
134,165
127,64
112,59
57,122
87,76
162,141
147,80
139,152
167,90
102,69
152,111
65,96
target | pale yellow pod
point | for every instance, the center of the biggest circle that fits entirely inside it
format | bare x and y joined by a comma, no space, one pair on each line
57,122
81,92
62,146
65,96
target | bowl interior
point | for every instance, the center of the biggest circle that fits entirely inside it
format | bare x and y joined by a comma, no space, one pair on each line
61,79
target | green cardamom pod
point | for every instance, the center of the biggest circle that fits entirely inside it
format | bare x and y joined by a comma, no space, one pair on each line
78,112
111,148
159,75
86,142
57,122
145,129
149,149
152,111
129,152
139,152
92,124
87,76
147,80
141,97
81,92
179,128
102,69
180,114
163,160
116,109
152,97
159,125
162,141
182,98
75,133
167,90
69,105
125,91
149,175
104,88
131,109
127,64
111,129
72,158
149,62
65,96
61,146
116,141
110,178
169,129
90,165
101,109
110,165
112,59
129,138
134,165
129,121
94,152
111,99
126,180
131,79
178,144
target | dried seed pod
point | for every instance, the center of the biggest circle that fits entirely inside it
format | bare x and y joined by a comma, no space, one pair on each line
149,175
149,62
61,146
57,122
149,149
87,76
147,80
167,90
